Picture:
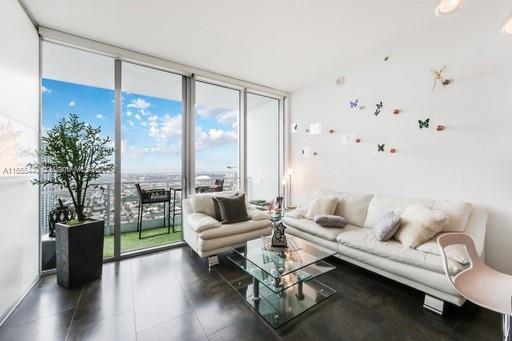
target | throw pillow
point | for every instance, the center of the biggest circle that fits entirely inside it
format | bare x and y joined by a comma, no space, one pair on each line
387,226
327,220
419,224
323,205
232,209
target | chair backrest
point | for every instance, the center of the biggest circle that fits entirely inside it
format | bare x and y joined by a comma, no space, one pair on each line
139,190
219,182
447,239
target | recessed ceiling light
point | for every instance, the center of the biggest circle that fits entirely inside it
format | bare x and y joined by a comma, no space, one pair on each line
447,7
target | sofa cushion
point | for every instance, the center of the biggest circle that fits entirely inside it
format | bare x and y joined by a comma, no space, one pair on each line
306,225
203,203
232,209
454,252
351,206
457,211
386,228
321,205
381,205
200,222
363,239
419,224
226,230
297,213
329,220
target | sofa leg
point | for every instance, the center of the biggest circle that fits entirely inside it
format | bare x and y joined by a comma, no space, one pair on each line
433,304
213,260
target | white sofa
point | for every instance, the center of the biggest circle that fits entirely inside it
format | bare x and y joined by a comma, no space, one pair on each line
208,237
420,268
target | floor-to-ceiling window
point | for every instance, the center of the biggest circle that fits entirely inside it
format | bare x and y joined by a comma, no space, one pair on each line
217,138
152,118
81,83
154,138
262,147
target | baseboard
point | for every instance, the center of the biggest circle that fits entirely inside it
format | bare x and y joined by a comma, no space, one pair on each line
6,315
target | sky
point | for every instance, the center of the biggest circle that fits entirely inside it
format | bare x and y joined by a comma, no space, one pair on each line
151,127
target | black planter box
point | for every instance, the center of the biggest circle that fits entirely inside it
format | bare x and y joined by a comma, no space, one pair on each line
79,251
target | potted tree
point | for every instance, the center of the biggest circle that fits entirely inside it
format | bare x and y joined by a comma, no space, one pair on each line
73,155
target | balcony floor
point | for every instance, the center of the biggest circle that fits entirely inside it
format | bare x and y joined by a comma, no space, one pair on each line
151,237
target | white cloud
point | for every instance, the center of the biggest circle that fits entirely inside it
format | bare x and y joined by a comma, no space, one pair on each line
72,103
165,127
46,90
137,116
144,123
223,116
131,123
99,116
214,137
228,117
139,104
129,113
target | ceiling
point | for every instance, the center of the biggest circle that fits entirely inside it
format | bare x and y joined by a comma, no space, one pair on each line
283,44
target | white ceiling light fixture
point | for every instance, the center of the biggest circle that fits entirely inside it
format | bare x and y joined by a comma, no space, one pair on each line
447,7
507,27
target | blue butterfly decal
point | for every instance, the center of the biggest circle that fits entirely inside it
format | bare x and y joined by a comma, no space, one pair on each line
354,104
380,147
424,124
379,106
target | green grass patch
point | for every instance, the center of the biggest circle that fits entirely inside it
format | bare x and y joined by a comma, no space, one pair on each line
150,238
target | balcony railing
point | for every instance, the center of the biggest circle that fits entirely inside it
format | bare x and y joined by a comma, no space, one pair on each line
100,203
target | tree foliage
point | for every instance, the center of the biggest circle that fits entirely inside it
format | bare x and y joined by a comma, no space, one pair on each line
73,154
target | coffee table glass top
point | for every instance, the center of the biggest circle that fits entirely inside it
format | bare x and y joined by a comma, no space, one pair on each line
280,262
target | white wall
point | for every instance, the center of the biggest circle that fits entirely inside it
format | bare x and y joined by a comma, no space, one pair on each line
471,160
19,113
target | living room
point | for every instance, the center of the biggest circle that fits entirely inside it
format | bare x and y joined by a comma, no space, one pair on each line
200,170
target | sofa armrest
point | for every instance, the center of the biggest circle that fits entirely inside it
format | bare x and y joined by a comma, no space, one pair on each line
257,215
297,213
200,222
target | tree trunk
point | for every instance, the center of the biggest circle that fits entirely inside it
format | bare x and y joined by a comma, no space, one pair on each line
80,213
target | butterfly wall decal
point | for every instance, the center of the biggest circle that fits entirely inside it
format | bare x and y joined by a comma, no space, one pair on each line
380,147
379,107
423,124
354,103
439,76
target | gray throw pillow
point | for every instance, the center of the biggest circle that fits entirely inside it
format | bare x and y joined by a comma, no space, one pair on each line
232,209
387,226
328,220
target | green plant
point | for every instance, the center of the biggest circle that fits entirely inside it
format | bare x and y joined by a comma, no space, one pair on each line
73,154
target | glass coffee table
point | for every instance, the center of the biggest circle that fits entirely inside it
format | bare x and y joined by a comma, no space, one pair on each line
281,283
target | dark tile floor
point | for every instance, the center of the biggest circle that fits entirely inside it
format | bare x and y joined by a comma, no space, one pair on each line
171,295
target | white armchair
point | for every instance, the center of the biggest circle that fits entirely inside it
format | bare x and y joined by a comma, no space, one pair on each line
208,237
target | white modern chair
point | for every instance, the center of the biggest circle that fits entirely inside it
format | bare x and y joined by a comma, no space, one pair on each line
479,283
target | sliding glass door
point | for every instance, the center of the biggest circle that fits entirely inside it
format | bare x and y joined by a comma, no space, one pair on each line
151,177
217,138
262,147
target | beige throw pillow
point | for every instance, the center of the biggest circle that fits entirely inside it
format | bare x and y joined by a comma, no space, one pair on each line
419,224
322,205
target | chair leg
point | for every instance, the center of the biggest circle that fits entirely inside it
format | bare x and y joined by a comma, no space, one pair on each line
506,327
140,227
168,220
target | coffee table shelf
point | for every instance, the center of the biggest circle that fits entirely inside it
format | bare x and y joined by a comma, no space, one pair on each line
280,283
305,274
